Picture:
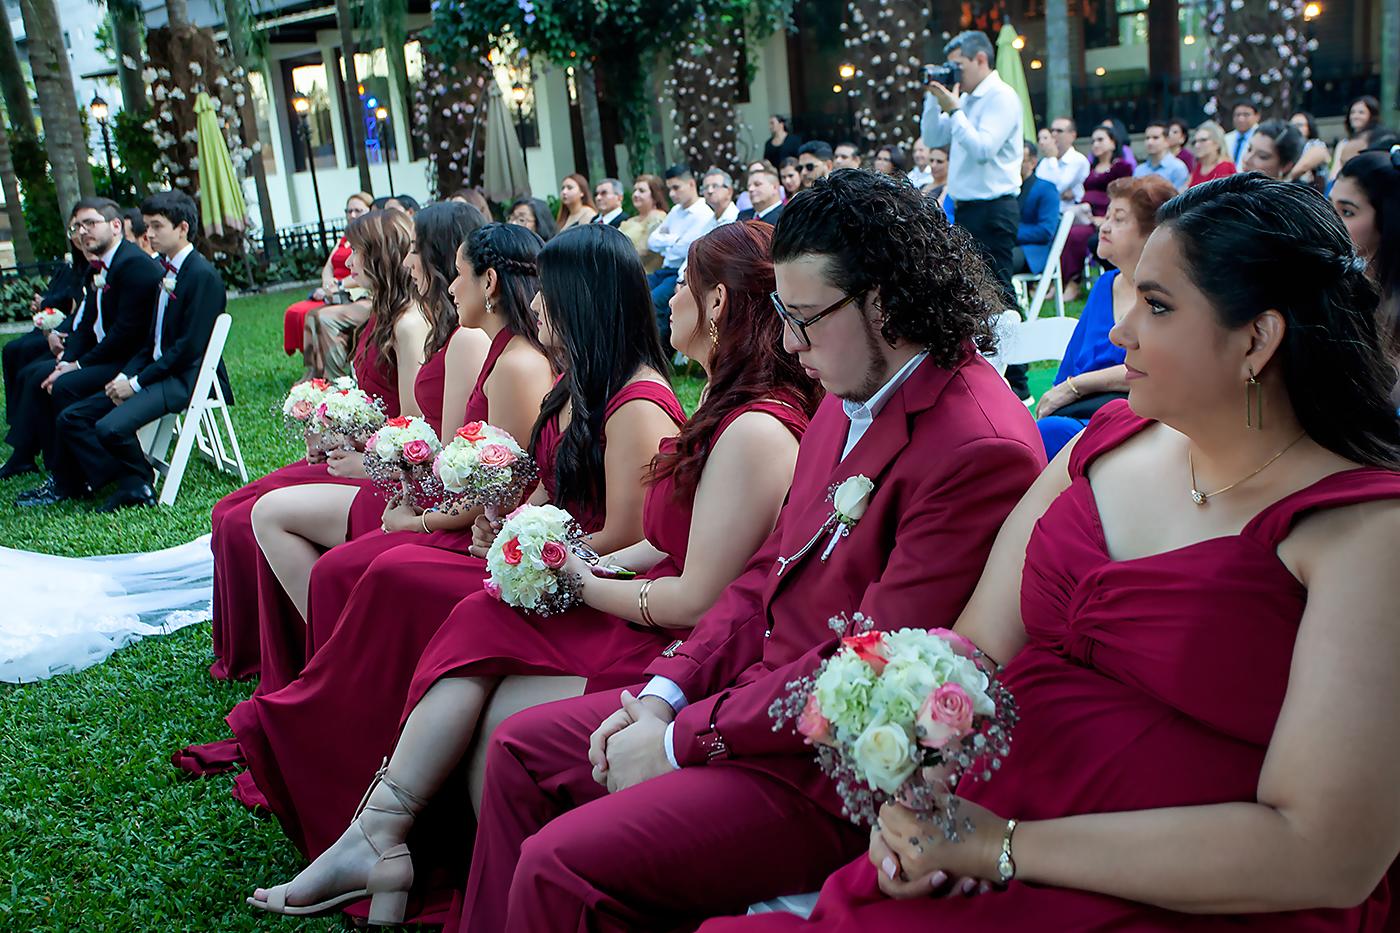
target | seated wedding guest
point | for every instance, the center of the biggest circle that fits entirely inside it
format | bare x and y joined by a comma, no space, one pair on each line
845,155
1208,144
920,174
781,144
1124,138
718,189
335,280
115,322
1363,114
1091,372
575,203
1311,167
742,200
650,202
533,214
743,439
689,218
1202,671
387,357
607,197
1108,166
694,804
1040,217
1159,159
1179,141
1068,167
765,193
64,293
790,173
477,199
406,203
890,160
96,440
937,189
134,229
1273,149
1367,196
815,160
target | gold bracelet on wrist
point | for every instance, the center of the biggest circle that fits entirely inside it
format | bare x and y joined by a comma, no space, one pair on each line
424,519
642,596
1073,388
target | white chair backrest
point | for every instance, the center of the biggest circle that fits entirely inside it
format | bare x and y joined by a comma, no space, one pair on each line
1036,340
1002,327
1051,273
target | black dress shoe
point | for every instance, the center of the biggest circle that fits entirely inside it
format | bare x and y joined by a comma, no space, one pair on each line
123,498
48,494
17,467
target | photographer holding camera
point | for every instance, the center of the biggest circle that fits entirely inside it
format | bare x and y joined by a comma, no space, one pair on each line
979,122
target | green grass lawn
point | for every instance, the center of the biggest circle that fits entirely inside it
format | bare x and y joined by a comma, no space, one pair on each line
98,831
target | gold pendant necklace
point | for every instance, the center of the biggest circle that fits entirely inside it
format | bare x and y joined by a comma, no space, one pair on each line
1201,498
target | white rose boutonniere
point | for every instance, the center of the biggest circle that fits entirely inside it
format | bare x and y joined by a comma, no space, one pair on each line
99,281
168,283
849,499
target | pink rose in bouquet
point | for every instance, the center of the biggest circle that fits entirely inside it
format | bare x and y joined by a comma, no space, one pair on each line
869,647
492,588
812,725
959,644
553,555
946,716
497,455
472,431
417,451
302,410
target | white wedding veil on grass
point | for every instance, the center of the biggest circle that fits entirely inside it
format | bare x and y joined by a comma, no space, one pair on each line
62,614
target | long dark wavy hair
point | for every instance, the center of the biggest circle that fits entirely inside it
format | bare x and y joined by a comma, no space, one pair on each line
383,239
1378,175
880,231
513,251
438,230
749,364
600,310
1251,242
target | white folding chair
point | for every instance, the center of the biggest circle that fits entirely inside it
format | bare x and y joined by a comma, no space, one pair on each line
1003,326
198,425
1050,275
1035,341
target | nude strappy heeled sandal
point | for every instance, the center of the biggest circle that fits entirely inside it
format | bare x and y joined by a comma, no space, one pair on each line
389,880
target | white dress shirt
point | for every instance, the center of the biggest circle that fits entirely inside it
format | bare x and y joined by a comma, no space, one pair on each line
161,303
609,217
1066,173
726,216
983,138
861,415
99,330
919,177
682,226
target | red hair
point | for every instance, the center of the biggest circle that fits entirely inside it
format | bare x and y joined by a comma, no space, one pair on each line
749,364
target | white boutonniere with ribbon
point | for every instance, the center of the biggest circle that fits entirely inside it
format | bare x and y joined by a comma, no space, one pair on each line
168,283
99,281
849,500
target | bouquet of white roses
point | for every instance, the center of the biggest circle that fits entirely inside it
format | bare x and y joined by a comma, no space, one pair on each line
46,319
906,715
346,414
399,458
526,561
483,466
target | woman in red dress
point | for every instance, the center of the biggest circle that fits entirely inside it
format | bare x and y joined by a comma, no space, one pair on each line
313,746
1199,609
1208,143
388,355
335,276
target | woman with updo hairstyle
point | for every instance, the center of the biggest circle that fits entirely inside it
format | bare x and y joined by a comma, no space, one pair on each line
1273,149
1200,635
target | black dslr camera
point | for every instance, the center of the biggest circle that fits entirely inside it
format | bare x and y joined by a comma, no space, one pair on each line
949,75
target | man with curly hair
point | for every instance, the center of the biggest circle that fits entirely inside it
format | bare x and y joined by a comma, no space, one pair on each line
690,803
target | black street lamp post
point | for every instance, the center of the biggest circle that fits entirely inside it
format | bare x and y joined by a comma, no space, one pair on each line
302,106
100,112
381,116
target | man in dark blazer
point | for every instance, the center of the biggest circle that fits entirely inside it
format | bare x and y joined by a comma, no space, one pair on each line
96,438
119,300
766,193
607,196
1040,218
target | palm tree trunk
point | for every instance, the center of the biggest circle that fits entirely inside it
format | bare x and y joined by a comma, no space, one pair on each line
12,85
1390,59
177,12
352,84
56,99
1058,101
126,33
587,83
19,233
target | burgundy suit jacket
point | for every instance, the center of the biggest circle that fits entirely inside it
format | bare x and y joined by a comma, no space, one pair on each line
950,454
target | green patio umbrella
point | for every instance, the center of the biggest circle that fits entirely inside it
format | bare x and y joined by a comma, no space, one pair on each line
1009,67
220,196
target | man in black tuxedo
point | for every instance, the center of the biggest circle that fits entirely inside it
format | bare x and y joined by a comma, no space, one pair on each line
96,439
766,193
608,198
119,300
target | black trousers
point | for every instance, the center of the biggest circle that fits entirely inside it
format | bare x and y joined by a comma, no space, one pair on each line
96,440
32,428
993,225
17,354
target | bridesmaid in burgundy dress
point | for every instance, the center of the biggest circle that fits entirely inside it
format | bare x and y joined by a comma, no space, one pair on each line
388,355
597,432
1200,619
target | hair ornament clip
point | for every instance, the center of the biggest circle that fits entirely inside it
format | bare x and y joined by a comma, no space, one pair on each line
1395,156
1357,263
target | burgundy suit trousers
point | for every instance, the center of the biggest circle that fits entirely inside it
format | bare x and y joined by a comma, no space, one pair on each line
555,851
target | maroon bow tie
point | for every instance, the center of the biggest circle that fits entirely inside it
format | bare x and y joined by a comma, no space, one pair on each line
169,266
98,264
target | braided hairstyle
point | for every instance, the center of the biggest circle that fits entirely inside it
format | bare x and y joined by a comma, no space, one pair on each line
879,231
513,252
1252,243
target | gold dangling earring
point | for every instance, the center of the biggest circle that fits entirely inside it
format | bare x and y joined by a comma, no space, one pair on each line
714,335
1253,403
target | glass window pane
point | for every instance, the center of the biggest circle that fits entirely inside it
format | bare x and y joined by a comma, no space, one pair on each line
306,77
257,85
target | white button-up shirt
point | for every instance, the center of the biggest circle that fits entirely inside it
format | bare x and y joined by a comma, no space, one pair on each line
682,226
983,139
1066,173
99,329
161,303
